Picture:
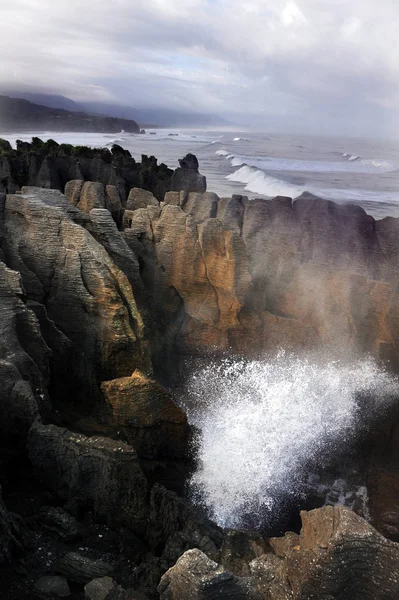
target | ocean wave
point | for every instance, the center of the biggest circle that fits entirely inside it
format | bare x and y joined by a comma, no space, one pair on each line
222,152
239,139
384,165
259,182
353,164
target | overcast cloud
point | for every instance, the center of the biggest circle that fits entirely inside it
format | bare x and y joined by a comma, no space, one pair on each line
316,64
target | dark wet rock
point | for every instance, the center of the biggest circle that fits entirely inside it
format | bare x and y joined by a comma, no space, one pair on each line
187,178
11,533
57,521
337,555
100,473
52,586
24,364
99,589
118,593
239,548
197,577
82,569
190,162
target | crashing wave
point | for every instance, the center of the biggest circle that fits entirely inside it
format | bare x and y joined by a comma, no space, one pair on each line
259,182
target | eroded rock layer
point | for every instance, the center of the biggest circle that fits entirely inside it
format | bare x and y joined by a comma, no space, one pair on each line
95,298
257,275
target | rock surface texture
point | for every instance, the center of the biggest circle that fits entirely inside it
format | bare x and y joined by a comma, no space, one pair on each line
108,290
337,555
256,275
187,177
53,166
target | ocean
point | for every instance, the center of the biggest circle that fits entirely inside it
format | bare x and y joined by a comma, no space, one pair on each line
346,170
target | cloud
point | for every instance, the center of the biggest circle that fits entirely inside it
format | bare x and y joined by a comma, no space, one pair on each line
255,59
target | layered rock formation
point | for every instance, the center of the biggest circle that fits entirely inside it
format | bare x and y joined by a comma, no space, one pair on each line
98,299
257,275
187,177
337,555
51,165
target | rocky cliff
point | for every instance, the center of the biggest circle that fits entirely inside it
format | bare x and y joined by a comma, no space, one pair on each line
101,298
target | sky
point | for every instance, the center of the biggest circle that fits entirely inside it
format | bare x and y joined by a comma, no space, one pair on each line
314,65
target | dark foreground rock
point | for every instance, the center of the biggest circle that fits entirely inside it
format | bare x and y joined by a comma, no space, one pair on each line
337,555
52,586
95,472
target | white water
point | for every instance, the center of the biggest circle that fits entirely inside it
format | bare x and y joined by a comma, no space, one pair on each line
261,423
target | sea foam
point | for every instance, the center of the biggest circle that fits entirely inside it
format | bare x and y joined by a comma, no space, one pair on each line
261,422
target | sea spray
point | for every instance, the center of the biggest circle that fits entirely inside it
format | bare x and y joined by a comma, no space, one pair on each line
260,423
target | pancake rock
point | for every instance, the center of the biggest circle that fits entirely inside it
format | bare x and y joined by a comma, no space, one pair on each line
336,555
187,177
146,415
257,275
97,472
52,165
88,313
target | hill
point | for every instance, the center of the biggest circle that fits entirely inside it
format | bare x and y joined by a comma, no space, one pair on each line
17,114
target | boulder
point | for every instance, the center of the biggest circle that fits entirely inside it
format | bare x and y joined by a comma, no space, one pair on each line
187,178
239,548
82,569
98,589
197,577
52,586
337,555
146,415
92,196
56,520
99,473
139,198
73,190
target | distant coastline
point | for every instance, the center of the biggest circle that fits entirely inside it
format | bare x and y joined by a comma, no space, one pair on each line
17,115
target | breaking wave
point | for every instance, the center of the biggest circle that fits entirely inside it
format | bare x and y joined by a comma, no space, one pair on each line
258,181
260,422
353,164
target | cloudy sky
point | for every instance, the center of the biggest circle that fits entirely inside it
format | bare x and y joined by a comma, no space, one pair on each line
321,65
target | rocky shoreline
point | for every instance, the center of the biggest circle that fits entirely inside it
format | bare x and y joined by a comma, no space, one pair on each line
114,274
